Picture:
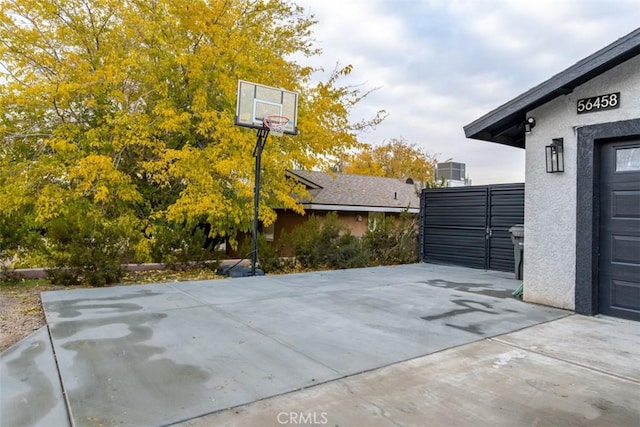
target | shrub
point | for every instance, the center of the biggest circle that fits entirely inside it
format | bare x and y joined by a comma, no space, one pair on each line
392,241
269,258
303,240
269,255
181,247
17,233
94,260
85,244
327,244
349,253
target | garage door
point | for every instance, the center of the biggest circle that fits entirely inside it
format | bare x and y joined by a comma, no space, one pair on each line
619,263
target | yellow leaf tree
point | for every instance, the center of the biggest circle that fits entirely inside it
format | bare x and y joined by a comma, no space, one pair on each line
124,110
397,158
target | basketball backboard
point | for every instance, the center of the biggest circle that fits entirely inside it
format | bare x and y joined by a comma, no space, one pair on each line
257,101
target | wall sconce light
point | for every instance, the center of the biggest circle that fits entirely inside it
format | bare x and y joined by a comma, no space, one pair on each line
529,124
555,156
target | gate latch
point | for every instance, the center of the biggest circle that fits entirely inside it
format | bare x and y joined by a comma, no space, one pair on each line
488,233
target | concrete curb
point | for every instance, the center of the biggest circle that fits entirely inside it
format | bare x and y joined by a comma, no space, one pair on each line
41,272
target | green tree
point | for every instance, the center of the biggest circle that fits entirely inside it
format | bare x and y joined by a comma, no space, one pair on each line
395,159
117,116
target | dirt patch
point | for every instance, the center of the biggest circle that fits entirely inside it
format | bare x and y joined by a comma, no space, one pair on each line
21,312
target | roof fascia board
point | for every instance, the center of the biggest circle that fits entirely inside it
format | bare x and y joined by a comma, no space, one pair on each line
303,180
357,208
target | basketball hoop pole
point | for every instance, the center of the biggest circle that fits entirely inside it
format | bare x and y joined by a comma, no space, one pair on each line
276,110
257,153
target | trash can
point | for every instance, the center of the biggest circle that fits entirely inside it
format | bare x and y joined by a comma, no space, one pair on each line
517,237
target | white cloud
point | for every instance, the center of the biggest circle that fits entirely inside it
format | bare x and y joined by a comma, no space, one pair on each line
440,64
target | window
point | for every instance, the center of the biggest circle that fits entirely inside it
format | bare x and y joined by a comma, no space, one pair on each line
375,220
628,159
269,232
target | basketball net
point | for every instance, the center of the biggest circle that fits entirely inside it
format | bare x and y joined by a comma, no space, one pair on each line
275,124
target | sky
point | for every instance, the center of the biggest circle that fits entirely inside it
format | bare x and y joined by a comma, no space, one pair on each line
438,65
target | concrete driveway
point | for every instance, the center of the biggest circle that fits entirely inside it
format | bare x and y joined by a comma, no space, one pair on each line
184,352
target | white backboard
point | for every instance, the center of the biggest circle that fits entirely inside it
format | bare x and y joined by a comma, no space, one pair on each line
256,101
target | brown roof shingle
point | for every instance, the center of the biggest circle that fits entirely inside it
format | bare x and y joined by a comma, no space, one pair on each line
359,190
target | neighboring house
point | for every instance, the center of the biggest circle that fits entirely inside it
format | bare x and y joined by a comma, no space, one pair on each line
582,181
353,197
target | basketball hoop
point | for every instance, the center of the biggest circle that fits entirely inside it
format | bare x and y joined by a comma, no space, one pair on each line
275,124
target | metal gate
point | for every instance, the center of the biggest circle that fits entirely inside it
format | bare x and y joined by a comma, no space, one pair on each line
469,226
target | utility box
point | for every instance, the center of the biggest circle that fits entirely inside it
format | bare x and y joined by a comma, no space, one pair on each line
517,237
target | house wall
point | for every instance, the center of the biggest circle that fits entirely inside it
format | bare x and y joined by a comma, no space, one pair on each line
550,199
288,220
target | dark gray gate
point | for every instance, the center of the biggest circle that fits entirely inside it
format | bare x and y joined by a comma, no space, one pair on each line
469,226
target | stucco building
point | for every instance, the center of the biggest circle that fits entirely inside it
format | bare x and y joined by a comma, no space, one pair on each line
581,133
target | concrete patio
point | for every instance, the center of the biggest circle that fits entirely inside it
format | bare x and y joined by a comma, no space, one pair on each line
406,345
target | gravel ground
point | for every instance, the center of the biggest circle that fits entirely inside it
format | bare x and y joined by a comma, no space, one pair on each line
20,313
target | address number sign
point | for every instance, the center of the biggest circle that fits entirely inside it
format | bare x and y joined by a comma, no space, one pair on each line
598,103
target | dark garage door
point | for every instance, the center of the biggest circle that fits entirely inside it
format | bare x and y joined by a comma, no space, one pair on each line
469,226
619,263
